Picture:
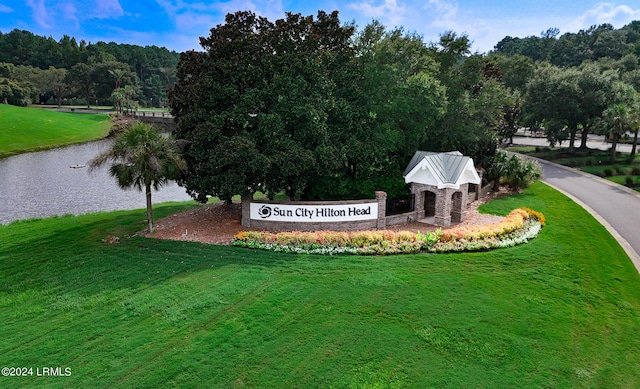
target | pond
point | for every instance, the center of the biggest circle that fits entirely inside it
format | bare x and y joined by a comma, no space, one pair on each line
54,182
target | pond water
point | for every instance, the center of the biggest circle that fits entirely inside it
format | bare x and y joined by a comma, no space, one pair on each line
44,184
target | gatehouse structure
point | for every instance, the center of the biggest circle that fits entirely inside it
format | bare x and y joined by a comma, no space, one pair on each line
440,184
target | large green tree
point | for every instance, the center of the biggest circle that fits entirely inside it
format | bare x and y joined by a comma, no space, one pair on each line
397,100
479,107
260,106
571,99
616,121
142,158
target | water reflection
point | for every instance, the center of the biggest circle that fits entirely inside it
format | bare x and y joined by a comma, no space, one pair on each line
43,184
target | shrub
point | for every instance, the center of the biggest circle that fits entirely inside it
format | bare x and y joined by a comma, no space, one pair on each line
629,180
535,214
509,169
635,171
620,171
608,172
517,227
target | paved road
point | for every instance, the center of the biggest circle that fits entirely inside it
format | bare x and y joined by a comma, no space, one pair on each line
615,206
593,142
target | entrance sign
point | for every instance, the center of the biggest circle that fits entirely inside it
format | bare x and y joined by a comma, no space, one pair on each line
314,213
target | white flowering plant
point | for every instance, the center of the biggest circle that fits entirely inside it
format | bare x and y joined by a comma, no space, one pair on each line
518,227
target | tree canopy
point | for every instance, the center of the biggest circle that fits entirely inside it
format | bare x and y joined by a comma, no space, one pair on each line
146,67
311,108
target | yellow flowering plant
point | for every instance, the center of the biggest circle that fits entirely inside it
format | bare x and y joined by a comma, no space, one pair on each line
524,223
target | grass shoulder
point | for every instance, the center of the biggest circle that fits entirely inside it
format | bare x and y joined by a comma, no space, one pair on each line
27,129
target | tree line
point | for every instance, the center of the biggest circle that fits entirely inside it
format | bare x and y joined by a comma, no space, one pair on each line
315,109
35,69
319,110
576,84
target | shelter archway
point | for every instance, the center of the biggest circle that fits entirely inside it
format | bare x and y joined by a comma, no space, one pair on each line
429,203
457,207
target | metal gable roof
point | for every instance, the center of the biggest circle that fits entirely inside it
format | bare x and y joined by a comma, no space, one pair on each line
446,167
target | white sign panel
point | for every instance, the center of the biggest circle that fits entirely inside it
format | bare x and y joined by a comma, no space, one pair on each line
314,213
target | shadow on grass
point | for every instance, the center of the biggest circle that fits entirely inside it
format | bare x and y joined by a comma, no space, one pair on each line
68,254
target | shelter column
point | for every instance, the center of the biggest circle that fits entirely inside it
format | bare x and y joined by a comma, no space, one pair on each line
382,209
246,209
443,207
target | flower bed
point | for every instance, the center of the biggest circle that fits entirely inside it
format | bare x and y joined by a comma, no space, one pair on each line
519,226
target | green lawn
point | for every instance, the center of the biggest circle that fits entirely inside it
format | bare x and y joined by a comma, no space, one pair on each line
32,129
559,312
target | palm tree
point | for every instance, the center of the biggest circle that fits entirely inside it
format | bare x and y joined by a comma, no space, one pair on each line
635,127
616,120
118,98
141,157
118,74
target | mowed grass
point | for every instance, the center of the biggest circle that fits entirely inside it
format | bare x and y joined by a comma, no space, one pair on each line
24,129
559,312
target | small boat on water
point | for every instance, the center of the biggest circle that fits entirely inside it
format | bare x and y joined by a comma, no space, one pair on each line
77,166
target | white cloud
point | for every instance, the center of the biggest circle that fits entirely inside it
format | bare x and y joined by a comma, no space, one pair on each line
388,11
200,17
189,17
70,13
107,9
616,15
5,9
445,13
40,14
193,20
271,9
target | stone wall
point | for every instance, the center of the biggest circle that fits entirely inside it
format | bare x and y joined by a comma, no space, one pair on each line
379,223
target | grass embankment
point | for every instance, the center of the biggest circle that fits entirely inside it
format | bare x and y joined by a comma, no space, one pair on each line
32,129
561,311
593,161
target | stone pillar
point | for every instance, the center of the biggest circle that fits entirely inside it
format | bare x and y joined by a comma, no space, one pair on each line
418,191
246,209
382,209
464,188
443,207
479,190
458,206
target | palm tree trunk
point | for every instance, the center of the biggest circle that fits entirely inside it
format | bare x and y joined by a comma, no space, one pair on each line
614,145
572,139
633,148
583,138
147,188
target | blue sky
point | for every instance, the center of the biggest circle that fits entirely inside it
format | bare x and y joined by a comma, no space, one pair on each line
177,24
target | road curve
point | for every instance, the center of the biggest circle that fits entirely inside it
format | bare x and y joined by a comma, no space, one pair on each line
616,207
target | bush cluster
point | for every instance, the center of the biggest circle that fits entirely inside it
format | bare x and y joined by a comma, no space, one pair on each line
519,226
510,169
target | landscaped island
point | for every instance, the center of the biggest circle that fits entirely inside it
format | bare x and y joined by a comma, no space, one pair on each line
519,226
